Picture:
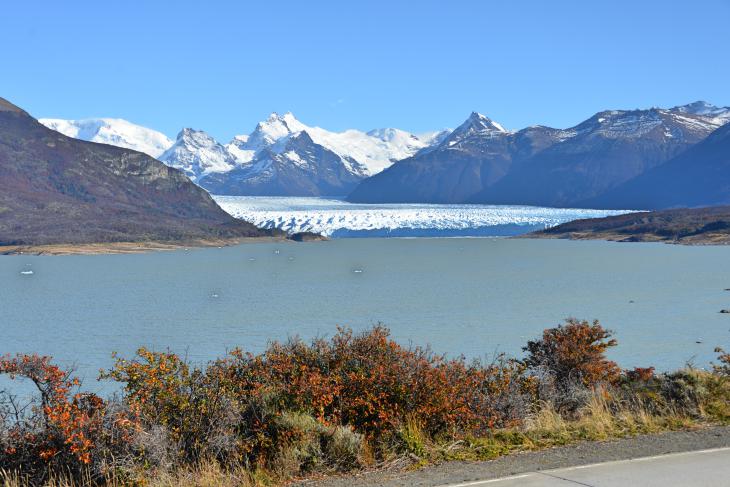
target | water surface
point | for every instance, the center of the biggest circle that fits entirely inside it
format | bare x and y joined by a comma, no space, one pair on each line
462,296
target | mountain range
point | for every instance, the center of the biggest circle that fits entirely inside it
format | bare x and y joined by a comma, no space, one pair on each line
58,189
482,163
478,162
282,156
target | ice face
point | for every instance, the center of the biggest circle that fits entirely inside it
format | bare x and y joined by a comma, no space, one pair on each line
335,217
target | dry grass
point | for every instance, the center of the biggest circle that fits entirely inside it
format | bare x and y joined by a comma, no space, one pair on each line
205,474
599,420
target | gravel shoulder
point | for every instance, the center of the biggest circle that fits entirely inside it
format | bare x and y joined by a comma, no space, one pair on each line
583,453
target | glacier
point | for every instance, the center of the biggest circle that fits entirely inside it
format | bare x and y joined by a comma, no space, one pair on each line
339,219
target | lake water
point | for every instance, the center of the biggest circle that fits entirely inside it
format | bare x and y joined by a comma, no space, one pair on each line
461,295
337,218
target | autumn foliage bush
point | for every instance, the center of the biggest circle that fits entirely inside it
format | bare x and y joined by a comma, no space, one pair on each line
371,383
574,352
62,429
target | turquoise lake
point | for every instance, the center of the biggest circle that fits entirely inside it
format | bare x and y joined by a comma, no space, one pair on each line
471,296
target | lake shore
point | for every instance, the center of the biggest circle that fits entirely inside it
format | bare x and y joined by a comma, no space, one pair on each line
130,247
608,236
686,226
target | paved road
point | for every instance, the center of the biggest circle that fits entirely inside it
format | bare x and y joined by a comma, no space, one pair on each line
609,461
710,468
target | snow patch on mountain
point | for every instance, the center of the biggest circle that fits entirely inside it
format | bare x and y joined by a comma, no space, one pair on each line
112,131
704,109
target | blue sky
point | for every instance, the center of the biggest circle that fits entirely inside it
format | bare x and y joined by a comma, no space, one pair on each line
223,66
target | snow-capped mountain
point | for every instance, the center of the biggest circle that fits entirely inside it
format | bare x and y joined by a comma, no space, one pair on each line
283,156
476,125
597,155
476,154
112,131
198,154
374,150
293,165
481,162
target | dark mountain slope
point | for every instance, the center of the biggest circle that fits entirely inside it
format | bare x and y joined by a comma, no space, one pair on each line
473,157
603,152
480,162
699,176
55,189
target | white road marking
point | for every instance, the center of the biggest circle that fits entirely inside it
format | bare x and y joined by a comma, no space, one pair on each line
580,467
491,481
642,459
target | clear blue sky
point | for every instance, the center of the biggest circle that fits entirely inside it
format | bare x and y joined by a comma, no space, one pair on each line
223,66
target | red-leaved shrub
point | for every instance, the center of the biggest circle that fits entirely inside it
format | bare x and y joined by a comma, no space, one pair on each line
574,352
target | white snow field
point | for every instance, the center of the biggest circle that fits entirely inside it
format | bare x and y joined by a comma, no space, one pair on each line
112,131
337,218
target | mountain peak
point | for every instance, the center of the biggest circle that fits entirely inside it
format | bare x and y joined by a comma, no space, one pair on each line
277,126
188,134
197,154
482,122
475,124
702,108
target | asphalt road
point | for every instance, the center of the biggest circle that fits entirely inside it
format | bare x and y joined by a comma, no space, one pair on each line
702,468
668,459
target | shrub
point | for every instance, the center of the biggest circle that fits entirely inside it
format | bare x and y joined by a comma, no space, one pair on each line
170,401
334,405
723,368
640,374
574,352
371,384
62,429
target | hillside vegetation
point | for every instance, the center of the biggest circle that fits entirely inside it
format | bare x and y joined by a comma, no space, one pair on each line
684,226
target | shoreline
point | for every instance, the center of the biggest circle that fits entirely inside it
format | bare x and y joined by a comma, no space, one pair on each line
694,241
112,248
